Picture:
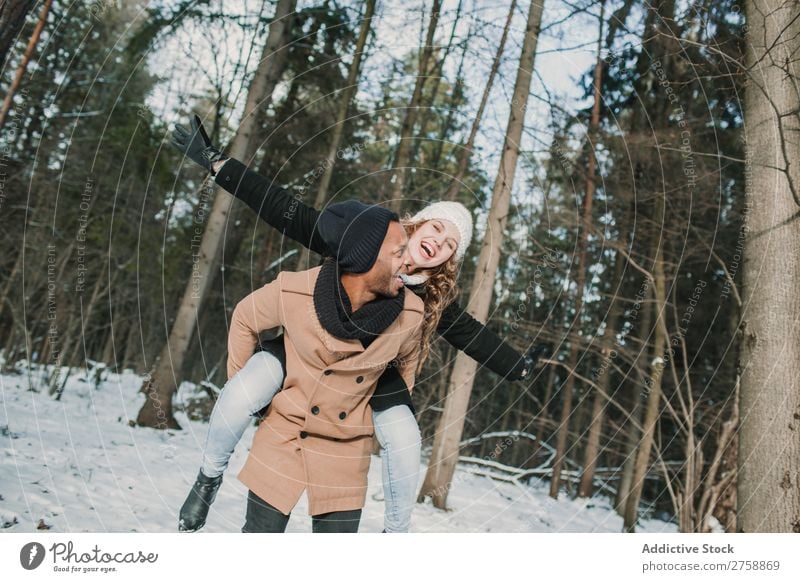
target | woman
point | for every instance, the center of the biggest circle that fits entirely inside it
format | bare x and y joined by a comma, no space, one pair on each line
439,236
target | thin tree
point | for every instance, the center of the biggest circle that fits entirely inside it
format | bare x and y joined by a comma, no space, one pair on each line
580,271
451,425
601,395
585,488
403,154
341,115
23,65
12,19
162,383
653,388
466,150
436,75
768,490
632,435
344,104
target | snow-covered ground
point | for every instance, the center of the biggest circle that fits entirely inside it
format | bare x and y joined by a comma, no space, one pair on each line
77,465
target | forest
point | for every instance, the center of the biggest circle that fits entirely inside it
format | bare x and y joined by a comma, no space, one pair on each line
630,167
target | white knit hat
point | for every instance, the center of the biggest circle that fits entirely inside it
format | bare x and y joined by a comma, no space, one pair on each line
454,212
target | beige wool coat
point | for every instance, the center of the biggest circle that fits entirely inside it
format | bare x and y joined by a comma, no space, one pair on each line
317,435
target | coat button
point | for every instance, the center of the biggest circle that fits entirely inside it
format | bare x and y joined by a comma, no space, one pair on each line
342,415
303,434
328,372
359,380
315,410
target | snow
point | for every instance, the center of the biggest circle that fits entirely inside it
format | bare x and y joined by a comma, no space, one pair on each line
78,465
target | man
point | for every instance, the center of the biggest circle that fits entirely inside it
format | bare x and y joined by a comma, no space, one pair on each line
343,323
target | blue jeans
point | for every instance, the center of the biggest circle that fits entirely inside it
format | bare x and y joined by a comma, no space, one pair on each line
398,434
250,390
254,387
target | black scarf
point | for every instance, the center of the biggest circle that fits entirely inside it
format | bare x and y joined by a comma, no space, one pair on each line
336,315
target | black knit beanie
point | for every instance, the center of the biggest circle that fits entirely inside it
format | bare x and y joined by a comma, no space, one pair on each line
354,233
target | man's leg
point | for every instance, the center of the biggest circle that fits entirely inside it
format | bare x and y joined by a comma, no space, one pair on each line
261,517
336,522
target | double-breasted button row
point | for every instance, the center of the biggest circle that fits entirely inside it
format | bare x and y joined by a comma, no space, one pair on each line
315,410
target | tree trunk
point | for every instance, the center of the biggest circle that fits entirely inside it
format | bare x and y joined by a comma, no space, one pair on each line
456,94
85,318
341,116
23,65
580,277
466,150
543,416
344,103
654,47
657,368
436,75
451,425
163,382
591,454
403,155
12,277
633,435
12,19
133,341
585,488
768,495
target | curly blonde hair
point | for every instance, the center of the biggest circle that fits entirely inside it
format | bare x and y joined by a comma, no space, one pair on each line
440,290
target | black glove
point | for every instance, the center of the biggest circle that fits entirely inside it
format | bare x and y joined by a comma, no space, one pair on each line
531,358
195,144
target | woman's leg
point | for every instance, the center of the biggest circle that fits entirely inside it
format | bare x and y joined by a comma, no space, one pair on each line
250,390
398,435
336,522
261,517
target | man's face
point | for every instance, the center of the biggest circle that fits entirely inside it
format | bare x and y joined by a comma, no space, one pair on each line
384,276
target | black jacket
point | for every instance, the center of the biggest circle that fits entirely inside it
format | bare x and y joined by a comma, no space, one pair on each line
289,215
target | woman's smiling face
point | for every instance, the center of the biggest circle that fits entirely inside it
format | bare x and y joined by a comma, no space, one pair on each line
432,244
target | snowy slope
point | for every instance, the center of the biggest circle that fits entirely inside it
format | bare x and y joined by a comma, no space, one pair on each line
77,465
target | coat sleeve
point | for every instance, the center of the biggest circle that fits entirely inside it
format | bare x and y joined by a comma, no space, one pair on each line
260,310
273,204
408,356
467,334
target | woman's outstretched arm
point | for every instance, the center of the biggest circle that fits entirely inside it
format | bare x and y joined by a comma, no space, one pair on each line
276,206
469,335
273,204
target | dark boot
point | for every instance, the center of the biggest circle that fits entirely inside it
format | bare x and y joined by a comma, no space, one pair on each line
195,508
